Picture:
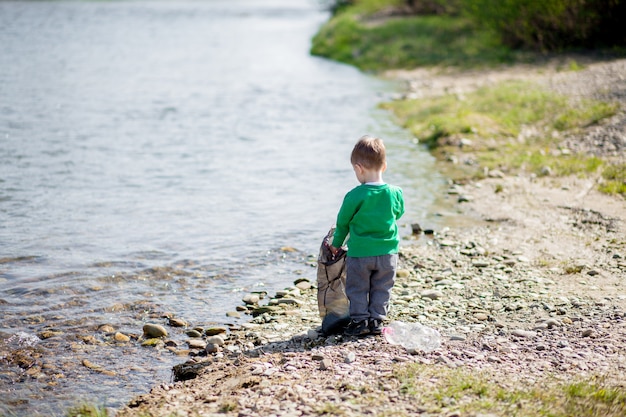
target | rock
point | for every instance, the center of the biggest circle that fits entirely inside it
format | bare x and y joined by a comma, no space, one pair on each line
106,328
151,330
47,334
216,340
211,348
478,263
121,337
196,344
303,284
403,273
265,309
251,299
152,342
212,331
494,173
481,316
528,334
326,364
233,314
588,333
349,357
553,323
432,294
286,301
193,333
312,334
174,322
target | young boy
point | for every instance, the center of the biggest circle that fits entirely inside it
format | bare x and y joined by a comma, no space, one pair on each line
368,214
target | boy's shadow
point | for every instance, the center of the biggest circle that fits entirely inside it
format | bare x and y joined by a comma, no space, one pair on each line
332,328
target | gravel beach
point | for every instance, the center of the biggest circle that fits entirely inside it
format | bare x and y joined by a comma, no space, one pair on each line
531,295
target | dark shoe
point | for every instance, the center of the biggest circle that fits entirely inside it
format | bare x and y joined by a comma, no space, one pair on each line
334,323
376,326
357,328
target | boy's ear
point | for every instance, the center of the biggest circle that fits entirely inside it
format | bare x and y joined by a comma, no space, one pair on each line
384,166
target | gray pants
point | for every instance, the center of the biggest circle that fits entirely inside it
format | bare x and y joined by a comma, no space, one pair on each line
368,285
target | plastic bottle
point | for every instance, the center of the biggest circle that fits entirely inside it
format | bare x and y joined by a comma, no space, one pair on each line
412,336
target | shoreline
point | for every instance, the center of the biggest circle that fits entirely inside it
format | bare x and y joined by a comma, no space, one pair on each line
533,295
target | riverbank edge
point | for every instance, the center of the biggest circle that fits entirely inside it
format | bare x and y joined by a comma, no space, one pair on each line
574,255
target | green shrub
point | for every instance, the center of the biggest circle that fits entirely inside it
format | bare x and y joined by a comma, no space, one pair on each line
553,24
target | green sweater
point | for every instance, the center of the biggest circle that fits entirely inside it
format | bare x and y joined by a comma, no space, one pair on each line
369,213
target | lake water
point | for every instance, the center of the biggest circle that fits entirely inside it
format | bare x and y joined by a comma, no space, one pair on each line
155,156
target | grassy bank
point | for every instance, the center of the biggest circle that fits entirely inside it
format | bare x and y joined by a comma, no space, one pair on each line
370,36
477,392
510,127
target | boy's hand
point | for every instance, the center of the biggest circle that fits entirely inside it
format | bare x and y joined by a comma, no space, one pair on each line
333,250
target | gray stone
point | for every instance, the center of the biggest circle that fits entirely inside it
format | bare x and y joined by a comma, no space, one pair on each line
432,294
196,344
174,322
524,333
216,340
212,331
326,364
151,330
250,299
193,333
211,348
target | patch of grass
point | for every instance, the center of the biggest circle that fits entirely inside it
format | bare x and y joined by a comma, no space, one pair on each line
614,179
589,398
469,392
228,406
330,409
354,37
87,410
511,126
499,111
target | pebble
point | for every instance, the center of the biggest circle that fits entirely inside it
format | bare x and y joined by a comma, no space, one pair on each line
151,330
196,344
216,340
524,333
432,294
481,316
251,299
212,331
211,348
174,322
121,337
588,333
349,357
326,364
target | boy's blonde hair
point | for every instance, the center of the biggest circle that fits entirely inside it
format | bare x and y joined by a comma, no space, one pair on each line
369,152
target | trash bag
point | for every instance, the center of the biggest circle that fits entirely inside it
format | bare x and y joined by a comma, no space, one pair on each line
331,287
